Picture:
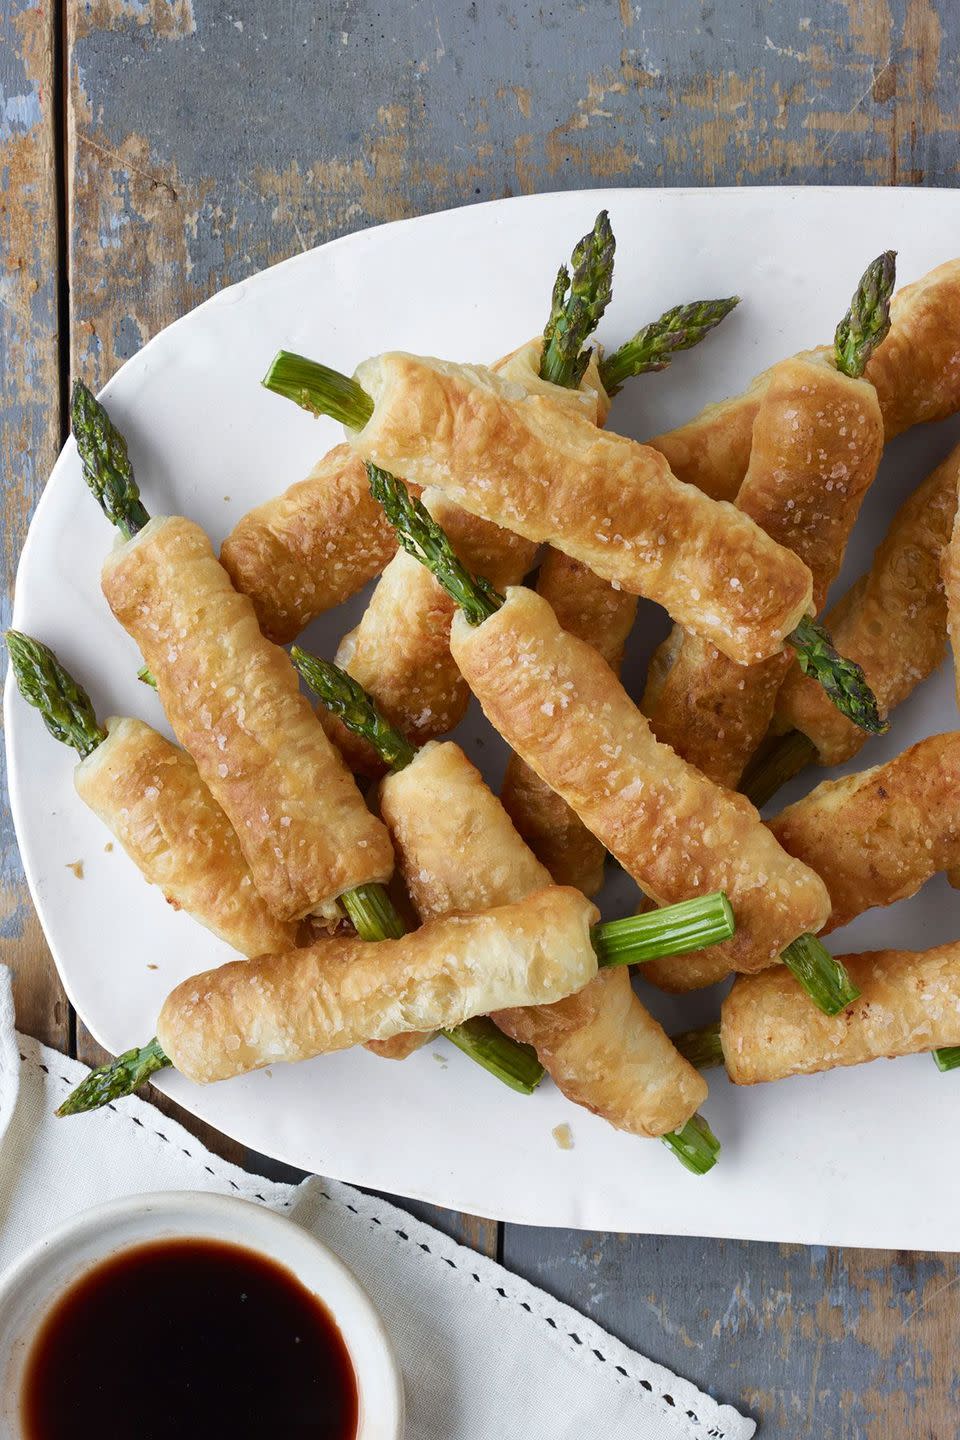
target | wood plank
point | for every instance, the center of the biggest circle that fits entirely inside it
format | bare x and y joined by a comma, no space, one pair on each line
29,417
840,1344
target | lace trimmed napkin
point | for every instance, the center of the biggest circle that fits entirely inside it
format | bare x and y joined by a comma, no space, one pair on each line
483,1353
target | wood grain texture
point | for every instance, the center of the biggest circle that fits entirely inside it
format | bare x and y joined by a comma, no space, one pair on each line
29,418
207,140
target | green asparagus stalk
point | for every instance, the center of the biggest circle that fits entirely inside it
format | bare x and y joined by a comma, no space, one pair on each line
106,463
577,305
948,1058
515,1064
654,345
319,389
703,1047
695,1145
118,1078
65,707
866,323
822,976
775,764
348,700
843,681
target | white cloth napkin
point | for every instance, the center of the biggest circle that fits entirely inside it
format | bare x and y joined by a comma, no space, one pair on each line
482,1352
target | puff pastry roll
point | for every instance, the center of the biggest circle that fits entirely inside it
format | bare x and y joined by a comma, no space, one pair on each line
893,621
342,991
235,705
817,442
458,850
521,460
909,1002
916,373
150,797
559,705
400,651
310,548
876,837
592,609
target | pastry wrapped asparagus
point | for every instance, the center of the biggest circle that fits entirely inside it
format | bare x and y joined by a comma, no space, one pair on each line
909,1003
558,704
916,374
150,796
875,837
893,621
457,850
817,443
522,461
232,698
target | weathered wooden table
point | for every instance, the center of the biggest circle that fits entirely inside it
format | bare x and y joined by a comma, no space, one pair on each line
155,150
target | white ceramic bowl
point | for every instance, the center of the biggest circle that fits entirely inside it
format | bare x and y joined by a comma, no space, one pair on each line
31,1286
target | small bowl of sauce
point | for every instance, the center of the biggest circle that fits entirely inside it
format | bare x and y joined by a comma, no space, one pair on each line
191,1314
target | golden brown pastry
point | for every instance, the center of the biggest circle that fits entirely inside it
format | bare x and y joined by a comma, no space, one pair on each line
916,372
876,837
149,795
342,991
909,1002
310,548
559,705
593,610
521,460
892,621
950,574
400,651
817,442
458,850
235,705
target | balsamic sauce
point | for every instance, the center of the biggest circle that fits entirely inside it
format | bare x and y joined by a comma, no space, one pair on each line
189,1338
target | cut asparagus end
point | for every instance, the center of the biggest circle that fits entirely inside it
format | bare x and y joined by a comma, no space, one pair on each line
674,930
146,677
695,1145
843,681
577,305
372,913
947,1058
867,322
65,707
701,1047
111,1082
106,463
345,697
422,537
821,974
516,1065
318,389
654,346
777,763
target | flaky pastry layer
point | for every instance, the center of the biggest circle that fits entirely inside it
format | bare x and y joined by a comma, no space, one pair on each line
817,442
559,705
343,991
234,703
310,548
893,621
151,798
521,460
909,1002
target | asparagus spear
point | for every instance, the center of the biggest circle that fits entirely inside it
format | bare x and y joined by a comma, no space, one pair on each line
818,972
64,705
948,1058
654,345
577,305
115,1079
774,764
843,681
866,323
674,930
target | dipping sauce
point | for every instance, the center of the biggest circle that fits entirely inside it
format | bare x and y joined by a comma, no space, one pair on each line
189,1338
